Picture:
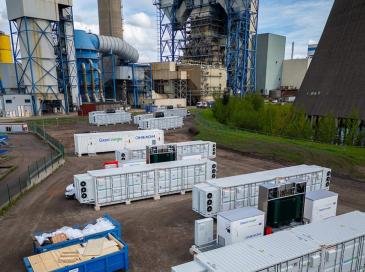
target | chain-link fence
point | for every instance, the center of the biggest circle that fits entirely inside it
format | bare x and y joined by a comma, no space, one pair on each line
38,169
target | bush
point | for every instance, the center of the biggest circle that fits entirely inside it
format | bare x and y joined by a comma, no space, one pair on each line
326,130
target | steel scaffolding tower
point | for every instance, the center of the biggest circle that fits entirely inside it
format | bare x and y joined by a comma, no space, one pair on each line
178,31
45,53
172,35
241,46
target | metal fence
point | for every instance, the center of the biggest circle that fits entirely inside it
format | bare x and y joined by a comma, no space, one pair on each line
36,170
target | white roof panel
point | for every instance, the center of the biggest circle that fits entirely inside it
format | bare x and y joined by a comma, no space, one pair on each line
265,175
241,213
144,167
321,194
264,252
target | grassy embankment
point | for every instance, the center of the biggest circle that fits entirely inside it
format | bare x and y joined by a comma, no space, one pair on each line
344,161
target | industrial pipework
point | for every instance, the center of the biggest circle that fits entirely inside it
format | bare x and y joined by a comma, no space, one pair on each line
84,76
117,46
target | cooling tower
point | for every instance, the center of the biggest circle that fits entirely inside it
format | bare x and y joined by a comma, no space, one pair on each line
335,79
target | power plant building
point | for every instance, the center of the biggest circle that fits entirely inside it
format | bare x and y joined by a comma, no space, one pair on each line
270,57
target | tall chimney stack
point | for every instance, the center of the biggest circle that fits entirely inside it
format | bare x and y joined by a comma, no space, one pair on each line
110,18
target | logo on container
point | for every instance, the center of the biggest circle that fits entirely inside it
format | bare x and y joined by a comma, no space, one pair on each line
105,140
142,137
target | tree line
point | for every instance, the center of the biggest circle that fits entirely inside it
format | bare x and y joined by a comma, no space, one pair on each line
252,113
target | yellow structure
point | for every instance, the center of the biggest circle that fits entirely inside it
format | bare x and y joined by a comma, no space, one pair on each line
5,49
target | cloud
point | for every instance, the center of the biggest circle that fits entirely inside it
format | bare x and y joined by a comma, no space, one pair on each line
300,20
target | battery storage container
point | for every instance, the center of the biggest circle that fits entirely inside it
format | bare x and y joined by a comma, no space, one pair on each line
123,185
205,149
138,118
164,123
320,205
104,118
182,112
334,244
243,190
93,143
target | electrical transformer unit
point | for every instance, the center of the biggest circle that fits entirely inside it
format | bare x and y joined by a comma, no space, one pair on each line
283,203
93,143
123,185
243,190
205,149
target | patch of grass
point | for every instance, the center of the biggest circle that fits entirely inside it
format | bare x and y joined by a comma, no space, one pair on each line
343,160
58,121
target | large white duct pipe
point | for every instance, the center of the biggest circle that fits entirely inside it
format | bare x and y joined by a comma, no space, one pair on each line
124,50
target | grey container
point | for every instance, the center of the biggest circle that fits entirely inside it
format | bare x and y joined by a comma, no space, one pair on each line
334,244
164,123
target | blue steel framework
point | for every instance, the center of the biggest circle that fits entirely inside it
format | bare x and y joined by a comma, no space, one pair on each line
141,85
241,46
172,35
241,41
51,32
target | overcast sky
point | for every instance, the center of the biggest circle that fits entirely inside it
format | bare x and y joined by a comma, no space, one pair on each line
301,21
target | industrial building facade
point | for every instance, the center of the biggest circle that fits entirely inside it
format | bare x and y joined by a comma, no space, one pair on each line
270,57
335,80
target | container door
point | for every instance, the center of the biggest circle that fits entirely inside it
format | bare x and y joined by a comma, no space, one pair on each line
91,145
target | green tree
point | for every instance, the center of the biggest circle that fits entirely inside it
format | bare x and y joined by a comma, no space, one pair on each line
352,125
326,129
299,126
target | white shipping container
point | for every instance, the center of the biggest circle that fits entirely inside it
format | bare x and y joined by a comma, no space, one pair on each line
93,143
138,118
320,205
243,190
205,149
182,112
104,118
239,225
164,123
13,128
334,244
123,185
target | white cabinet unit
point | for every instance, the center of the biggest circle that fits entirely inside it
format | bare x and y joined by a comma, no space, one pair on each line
203,231
320,205
239,225
123,185
243,190
92,143
84,188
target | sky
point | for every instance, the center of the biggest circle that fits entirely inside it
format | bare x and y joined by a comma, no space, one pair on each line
301,21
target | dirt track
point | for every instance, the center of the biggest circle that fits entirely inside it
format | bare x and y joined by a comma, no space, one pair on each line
159,233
